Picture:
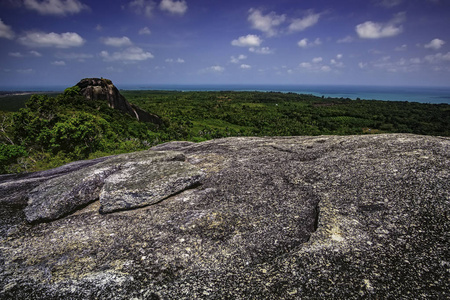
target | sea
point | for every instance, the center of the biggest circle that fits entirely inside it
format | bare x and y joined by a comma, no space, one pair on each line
433,95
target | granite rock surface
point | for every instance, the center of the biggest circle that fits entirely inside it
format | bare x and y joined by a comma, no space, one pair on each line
329,217
104,89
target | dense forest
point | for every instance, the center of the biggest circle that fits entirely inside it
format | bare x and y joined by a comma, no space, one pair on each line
44,131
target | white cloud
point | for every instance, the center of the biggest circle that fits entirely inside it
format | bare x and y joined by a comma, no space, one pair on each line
56,7
249,40
59,63
336,63
245,66
401,65
30,53
267,23
389,64
347,39
174,7
15,54
236,60
171,60
438,58
142,7
339,56
435,44
41,39
305,43
74,56
213,69
129,54
317,66
301,24
117,41
35,53
6,31
144,30
306,65
262,50
99,27
25,71
403,47
114,69
373,30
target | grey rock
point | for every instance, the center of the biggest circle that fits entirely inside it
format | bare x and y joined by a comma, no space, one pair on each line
329,217
121,182
104,89
14,188
137,186
63,195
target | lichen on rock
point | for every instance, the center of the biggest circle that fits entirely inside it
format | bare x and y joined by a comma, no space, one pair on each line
329,217
136,186
122,182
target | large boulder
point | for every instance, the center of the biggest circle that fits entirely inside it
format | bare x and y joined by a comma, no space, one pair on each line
123,182
329,217
104,89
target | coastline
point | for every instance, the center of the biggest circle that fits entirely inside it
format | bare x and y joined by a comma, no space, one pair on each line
432,95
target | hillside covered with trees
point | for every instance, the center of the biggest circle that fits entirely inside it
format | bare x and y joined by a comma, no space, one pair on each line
49,131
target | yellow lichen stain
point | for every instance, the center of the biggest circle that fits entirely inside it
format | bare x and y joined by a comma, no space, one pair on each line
209,162
293,292
336,234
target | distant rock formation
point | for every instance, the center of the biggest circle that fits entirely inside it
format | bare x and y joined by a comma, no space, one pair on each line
326,217
104,89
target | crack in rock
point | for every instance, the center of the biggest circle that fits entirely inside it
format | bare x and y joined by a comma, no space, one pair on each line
123,182
137,187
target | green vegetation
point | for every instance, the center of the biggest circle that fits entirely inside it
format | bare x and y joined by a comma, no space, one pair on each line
205,115
14,102
50,131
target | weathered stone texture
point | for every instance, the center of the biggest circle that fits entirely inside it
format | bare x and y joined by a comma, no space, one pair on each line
104,89
329,217
137,186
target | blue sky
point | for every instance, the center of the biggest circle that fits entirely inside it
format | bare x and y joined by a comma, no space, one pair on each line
348,42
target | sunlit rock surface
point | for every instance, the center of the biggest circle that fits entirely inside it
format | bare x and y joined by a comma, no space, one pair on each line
343,217
104,89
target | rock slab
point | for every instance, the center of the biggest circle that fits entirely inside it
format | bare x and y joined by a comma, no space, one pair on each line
123,182
328,217
137,186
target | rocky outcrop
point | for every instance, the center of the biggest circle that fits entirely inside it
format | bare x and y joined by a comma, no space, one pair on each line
104,89
124,182
326,217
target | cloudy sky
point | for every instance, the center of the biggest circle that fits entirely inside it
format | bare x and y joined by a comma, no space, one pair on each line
351,42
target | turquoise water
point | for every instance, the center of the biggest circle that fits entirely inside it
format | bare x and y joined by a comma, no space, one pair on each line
434,95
